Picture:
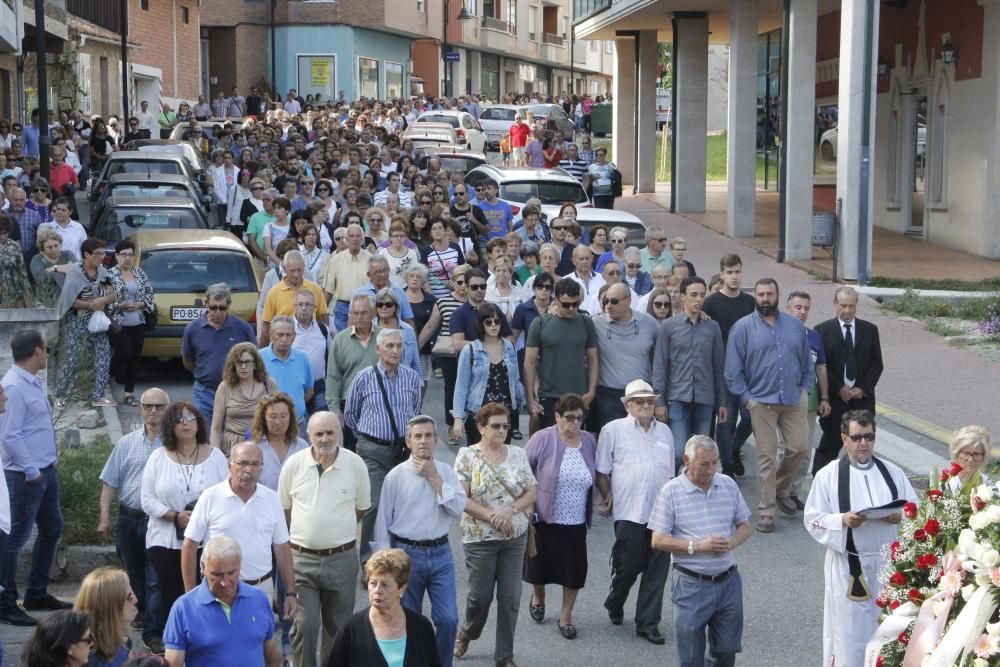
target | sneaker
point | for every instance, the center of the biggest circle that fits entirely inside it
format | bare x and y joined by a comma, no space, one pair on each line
16,616
787,505
48,602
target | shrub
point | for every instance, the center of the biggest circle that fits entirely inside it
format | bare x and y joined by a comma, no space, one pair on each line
80,490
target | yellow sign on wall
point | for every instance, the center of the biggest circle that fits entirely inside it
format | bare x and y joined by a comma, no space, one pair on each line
320,72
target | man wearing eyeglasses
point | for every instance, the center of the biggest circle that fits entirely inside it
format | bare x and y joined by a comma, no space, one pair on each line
251,514
856,540
123,473
206,342
655,253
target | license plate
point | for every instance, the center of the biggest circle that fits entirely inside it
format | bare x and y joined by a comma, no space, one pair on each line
185,313
494,137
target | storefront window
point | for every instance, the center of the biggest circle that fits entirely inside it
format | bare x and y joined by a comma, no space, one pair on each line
368,78
393,80
317,76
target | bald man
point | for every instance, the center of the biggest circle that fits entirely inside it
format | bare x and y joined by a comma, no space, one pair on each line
123,473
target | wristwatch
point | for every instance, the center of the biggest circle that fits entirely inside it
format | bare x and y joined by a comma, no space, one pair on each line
292,595
690,547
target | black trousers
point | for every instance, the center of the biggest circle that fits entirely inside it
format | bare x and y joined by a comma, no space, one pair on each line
126,347
167,565
449,369
633,554
830,443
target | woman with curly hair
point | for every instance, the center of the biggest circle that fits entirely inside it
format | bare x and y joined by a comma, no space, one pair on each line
107,596
244,383
276,431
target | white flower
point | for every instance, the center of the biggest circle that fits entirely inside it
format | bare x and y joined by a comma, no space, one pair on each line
951,582
983,578
979,521
968,591
985,492
993,629
979,662
993,512
967,536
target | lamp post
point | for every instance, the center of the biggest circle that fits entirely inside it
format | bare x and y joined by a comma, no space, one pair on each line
43,91
463,15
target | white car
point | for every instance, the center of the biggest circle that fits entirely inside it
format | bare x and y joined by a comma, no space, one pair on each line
467,129
554,187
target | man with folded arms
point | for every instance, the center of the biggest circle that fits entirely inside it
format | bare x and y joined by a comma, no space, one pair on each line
325,491
420,500
699,518
854,541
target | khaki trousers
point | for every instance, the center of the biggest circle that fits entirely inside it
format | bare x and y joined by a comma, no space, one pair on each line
326,587
767,420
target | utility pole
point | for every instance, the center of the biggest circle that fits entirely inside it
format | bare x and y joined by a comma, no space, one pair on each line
123,11
43,91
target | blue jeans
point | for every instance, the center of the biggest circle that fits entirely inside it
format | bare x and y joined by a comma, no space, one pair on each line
433,571
204,399
130,546
609,406
30,503
286,625
341,310
687,419
717,607
731,437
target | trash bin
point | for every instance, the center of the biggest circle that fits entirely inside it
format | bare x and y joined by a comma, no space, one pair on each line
823,229
600,119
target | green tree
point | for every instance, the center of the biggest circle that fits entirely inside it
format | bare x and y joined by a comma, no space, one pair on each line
665,65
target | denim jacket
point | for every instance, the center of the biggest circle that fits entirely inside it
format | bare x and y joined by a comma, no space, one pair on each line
470,385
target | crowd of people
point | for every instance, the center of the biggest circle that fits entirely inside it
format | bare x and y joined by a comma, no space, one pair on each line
639,379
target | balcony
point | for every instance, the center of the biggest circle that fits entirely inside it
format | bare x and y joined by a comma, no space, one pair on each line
498,35
584,8
555,40
499,25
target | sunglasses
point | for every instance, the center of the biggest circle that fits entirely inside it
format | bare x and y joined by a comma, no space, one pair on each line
218,308
426,201
322,189
618,240
256,189
458,193
615,273
492,322
661,304
459,282
635,266
39,189
573,418
186,418
546,288
499,427
569,304
858,437
612,301
478,287
153,407
385,304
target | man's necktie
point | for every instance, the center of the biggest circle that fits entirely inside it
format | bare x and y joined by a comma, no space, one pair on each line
850,362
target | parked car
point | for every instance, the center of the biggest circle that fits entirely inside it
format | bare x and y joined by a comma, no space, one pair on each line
496,121
553,118
554,187
466,126
182,131
144,162
180,265
149,185
451,160
122,217
432,134
828,142
185,148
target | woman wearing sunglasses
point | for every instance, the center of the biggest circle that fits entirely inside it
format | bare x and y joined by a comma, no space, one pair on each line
387,317
107,596
174,477
487,373
63,639
245,383
660,305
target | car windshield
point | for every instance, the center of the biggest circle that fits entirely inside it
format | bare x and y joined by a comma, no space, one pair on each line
117,223
143,167
540,109
550,193
436,118
148,190
498,114
177,271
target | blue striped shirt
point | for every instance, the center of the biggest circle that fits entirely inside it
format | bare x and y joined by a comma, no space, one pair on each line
682,510
365,411
123,470
770,364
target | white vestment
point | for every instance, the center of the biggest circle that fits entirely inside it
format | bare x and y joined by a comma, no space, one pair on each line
848,625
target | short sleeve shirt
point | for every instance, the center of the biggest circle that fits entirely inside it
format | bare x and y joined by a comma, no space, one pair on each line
562,344
209,347
486,487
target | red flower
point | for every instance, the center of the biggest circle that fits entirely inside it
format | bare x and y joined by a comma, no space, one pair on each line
956,467
945,475
898,579
904,638
926,561
910,510
893,604
977,503
881,602
878,662
934,495
914,595
933,527
894,550
920,534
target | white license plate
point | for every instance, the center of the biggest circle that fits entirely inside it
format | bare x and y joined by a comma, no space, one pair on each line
185,313
494,137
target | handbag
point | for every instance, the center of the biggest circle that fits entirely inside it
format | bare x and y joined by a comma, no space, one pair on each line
399,451
151,317
443,347
530,547
99,322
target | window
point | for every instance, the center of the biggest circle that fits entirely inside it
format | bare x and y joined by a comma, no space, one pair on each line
144,5
609,46
531,23
421,7
595,45
184,15
177,272
317,76
367,77
393,80
473,7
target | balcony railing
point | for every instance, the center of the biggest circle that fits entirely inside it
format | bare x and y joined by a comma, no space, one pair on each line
549,38
497,24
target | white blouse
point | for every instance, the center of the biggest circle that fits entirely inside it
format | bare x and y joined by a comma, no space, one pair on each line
167,485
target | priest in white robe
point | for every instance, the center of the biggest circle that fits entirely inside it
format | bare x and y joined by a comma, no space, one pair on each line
841,490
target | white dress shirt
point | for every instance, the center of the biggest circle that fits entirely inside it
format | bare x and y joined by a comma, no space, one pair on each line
639,462
411,509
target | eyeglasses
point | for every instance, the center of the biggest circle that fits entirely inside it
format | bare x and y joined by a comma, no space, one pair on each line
385,304
478,287
186,418
612,301
153,407
569,304
546,288
248,464
88,640
39,189
975,456
499,427
492,321
635,266
245,362
618,240
858,437
661,304
573,418
215,308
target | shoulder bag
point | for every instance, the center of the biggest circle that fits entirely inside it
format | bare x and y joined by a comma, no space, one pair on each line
530,549
399,451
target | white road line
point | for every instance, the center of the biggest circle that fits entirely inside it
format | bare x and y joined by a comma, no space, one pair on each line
909,456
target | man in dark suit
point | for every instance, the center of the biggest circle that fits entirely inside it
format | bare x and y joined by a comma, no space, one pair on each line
853,364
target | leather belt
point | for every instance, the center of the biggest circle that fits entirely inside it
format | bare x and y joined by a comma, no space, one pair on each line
254,582
322,552
377,441
714,578
125,510
426,544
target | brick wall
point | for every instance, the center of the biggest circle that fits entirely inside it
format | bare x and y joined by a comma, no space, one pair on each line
158,29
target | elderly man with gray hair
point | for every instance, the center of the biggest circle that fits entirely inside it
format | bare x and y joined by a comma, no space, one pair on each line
192,637
699,517
206,342
289,367
280,300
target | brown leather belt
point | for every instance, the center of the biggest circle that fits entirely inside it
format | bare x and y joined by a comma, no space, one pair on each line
322,552
254,582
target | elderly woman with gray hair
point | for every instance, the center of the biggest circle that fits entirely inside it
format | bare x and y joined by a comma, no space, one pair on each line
970,448
387,317
426,315
618,238
632,273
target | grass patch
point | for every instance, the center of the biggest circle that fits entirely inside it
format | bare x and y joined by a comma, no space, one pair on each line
944,329
984,285
913,305
80,490
715,158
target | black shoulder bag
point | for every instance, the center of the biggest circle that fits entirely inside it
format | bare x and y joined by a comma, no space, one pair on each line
399,451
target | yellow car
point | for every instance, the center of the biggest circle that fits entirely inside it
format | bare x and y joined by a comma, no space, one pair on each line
180,264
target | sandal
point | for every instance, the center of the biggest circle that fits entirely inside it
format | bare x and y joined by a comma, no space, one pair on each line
516,435
568,631
104,403
130,399
537,612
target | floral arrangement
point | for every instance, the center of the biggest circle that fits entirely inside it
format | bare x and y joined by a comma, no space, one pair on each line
942,580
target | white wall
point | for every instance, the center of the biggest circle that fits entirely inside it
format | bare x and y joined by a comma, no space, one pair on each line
718,87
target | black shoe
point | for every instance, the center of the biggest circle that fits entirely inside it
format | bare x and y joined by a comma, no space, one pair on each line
798,503
738,468
16,616
652,636
155,645
47,603
617,616
138,621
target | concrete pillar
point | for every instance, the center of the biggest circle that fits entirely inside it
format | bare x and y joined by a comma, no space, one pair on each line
741,150
623,110
852,156
989,245
800,128
646,146
690,111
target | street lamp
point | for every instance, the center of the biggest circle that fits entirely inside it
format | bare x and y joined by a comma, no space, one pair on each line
463,15
949,54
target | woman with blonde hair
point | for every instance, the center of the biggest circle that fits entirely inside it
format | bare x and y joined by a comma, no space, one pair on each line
970,448
244,383
107,596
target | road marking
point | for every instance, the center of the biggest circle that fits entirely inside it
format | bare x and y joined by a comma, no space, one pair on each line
909,456
914,423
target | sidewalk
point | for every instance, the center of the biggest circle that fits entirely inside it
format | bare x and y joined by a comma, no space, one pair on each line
925,377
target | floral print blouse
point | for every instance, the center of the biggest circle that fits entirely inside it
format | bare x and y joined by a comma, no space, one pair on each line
487,490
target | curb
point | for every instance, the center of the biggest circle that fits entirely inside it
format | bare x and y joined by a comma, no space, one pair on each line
914,423
114,424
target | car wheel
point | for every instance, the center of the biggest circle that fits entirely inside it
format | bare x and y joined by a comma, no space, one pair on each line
826,150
